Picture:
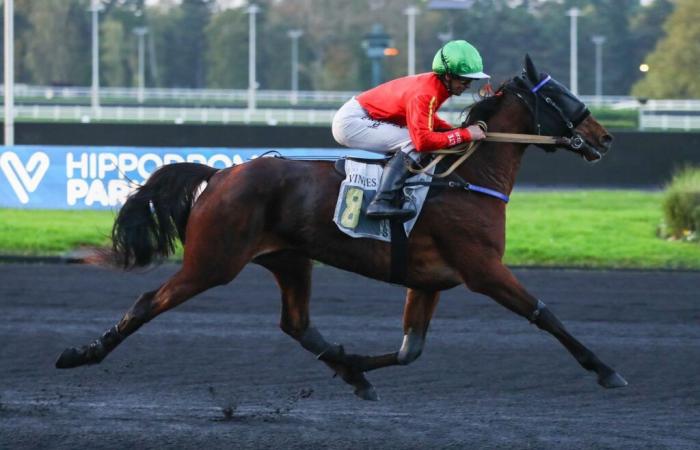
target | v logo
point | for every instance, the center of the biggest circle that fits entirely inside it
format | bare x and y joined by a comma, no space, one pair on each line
21,178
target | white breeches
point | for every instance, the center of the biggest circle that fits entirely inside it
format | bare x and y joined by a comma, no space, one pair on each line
352,127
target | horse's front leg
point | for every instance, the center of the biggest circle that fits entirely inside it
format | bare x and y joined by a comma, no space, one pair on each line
492,278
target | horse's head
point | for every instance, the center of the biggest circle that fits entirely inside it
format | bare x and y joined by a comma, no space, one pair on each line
558,112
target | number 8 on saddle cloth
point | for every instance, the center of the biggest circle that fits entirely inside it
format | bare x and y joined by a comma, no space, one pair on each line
356,192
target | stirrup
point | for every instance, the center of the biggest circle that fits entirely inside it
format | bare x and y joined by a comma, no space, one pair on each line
383,209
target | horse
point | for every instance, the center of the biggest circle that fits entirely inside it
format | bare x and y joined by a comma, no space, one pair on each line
278,213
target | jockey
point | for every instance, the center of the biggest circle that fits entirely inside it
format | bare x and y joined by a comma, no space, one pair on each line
399,116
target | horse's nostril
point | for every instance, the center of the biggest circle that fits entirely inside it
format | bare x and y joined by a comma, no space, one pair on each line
606,141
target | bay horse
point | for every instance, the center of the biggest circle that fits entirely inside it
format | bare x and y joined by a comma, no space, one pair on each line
278,213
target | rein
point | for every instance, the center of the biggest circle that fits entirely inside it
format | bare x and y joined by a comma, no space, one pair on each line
575,142
467,149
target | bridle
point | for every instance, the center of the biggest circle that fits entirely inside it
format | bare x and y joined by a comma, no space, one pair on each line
527,91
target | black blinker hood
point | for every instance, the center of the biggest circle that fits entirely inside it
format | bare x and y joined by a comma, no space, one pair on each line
555,109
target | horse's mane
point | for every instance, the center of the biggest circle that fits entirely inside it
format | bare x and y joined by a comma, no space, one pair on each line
485,108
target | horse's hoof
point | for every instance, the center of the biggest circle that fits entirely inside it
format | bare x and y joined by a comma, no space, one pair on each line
367,393
612,380
71,357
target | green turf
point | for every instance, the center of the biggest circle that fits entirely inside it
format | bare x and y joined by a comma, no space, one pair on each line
593,229
47,232
602,229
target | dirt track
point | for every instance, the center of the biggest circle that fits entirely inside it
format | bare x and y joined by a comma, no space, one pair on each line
218,373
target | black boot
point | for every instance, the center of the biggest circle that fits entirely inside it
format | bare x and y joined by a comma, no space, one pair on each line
385,204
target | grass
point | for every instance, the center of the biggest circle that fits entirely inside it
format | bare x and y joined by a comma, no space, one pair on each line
48,232
596,229
616,119
615,229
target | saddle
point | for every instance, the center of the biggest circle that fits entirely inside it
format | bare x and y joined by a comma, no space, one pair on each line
339,164
357,190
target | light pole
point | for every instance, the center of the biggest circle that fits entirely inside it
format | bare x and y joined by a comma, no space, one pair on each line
252,83
598,41
9,37
294,35
574,13
374,44
412,12
95,8
141,32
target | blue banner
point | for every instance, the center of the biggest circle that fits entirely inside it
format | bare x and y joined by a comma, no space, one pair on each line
65,177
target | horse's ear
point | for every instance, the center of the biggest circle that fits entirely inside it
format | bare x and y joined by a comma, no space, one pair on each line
530,70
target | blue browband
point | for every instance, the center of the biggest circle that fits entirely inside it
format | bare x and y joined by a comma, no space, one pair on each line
540,84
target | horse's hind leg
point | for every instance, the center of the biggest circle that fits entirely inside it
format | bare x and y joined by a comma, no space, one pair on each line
492,278
293,274
418,310
174,292
198,274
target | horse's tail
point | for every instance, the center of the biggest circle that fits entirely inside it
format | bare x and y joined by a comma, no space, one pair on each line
155,215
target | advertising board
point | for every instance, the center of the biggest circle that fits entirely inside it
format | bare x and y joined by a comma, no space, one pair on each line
68,177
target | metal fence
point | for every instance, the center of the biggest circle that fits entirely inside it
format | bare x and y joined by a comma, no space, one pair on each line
48,93
682,115
86,114
71,104
83,94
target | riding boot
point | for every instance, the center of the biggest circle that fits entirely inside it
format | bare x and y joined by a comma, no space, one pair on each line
386,203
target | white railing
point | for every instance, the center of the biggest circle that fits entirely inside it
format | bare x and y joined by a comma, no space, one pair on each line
85,114
180,95
669,122
670,115
126,94
277,107
267,116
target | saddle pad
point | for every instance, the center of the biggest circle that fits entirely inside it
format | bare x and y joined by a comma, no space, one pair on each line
357,191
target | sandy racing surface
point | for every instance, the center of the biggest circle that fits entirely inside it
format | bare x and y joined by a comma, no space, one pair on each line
218,373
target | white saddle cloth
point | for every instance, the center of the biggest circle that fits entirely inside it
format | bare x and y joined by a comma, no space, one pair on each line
358,190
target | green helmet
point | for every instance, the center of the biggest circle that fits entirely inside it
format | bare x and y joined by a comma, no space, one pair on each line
459,58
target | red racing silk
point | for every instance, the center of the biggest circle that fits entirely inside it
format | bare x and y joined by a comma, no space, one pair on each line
413,102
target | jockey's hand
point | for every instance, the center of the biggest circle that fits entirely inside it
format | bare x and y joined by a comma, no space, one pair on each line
476,132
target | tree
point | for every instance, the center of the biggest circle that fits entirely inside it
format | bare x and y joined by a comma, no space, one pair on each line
118,44
180,39
23,33
332,41
675,62
115,69
647,26
227,50
504,34
59,48
203,43
611,19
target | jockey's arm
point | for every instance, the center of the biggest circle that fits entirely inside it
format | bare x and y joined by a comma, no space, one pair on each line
441,125
423,125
